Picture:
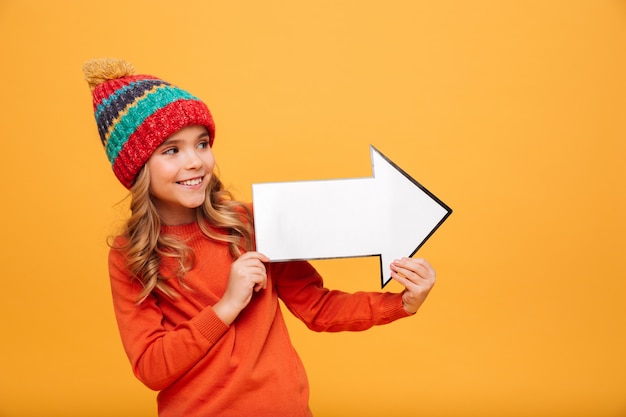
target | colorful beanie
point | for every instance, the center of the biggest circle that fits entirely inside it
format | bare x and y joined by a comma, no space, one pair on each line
136,113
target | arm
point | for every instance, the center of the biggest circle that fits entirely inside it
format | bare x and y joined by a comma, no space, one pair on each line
158,357
301,289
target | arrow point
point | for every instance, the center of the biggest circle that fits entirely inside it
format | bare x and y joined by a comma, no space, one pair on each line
412,212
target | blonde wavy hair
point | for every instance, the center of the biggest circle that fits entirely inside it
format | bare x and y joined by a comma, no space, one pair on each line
220,218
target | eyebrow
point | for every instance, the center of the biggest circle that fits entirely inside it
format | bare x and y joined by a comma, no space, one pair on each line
172,141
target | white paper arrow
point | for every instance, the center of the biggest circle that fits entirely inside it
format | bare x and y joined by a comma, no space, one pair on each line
388,215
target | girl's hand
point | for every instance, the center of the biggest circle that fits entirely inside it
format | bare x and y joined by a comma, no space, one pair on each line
418,278
247,275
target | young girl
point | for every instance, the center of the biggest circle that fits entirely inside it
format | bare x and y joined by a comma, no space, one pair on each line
197,307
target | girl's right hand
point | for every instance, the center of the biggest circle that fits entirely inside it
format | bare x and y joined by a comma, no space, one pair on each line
247,275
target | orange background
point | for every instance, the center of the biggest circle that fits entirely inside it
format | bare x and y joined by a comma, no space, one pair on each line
512,112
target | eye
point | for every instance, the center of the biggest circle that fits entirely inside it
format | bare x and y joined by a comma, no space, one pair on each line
203,145
170,151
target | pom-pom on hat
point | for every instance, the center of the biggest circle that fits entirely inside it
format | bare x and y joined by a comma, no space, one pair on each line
136,113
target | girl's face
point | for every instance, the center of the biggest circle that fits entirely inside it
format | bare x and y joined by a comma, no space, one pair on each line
180,170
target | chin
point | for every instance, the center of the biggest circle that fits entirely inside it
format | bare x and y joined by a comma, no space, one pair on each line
195,205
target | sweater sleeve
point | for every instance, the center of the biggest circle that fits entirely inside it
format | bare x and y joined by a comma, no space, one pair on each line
158,357
302,290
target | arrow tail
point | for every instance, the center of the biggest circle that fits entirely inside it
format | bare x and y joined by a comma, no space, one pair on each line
334,228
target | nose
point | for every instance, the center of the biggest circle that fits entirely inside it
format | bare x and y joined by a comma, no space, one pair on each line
193,160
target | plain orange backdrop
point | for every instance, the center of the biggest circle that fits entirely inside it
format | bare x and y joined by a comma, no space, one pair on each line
512,112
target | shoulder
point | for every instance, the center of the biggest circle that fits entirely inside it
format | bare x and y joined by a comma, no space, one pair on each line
244,211
243,207
117,248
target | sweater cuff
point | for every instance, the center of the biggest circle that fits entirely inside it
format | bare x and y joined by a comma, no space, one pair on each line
393,307
210,325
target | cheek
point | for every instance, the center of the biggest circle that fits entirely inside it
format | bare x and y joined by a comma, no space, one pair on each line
210,161
159,170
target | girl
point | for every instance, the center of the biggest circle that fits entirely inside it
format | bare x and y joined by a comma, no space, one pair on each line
197,307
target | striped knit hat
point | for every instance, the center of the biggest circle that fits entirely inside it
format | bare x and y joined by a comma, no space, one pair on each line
136,113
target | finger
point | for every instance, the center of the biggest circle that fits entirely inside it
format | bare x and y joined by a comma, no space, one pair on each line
417,267
404,270
252,264
424,266
255,255
261,285
257,274
401,279
259,278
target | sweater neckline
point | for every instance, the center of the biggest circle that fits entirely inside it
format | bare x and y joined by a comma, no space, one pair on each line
182,229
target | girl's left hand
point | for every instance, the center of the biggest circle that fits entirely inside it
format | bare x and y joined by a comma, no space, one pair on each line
418,278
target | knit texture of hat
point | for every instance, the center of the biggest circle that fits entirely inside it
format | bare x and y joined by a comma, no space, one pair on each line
136,113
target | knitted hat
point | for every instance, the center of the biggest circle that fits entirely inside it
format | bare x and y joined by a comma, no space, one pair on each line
136,113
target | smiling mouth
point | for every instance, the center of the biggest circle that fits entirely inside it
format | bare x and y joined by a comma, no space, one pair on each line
193,181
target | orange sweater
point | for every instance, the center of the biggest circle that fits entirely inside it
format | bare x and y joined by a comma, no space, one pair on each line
203,367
